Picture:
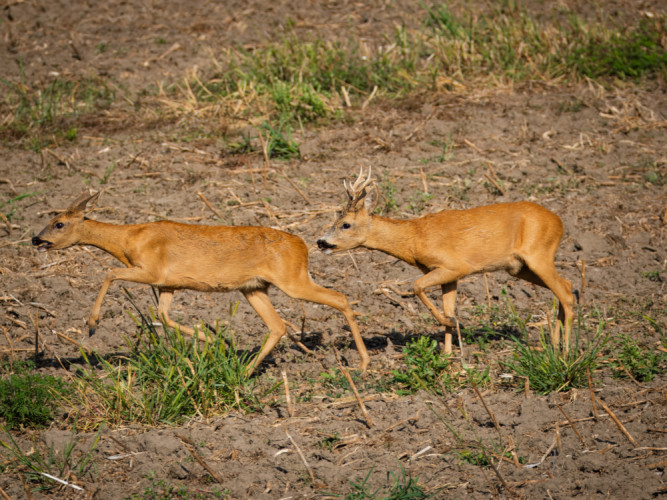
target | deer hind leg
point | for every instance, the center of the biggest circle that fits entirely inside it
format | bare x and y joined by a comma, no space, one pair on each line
306,289
259,300
134,274
543,273
166,295
449,308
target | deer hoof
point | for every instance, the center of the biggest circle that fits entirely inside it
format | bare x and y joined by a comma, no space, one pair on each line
91,331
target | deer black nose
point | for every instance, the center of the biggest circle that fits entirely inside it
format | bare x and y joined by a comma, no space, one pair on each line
323,245
36,240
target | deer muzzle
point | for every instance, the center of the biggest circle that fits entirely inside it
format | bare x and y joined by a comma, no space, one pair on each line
325,246
42,245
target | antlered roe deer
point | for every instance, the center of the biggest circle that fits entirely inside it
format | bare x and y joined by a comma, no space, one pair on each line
173,256
520,238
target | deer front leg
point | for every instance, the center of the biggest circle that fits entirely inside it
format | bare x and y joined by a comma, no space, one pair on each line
134,274
447,279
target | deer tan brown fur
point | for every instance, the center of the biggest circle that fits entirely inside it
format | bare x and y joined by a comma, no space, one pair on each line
521,238
173,256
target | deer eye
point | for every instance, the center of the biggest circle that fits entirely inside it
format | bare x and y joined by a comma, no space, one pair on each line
59,225
346,225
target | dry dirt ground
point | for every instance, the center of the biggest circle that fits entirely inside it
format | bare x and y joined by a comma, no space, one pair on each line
590,154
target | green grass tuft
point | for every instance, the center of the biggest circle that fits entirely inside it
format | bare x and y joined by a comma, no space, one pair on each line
548,369
167,378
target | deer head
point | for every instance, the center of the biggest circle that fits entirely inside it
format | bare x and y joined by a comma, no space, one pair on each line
63,231
353,223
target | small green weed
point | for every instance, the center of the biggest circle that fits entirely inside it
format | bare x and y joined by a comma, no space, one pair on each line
447,150
30,399
399,487
490,323
335,383
653,276
426,367
279,142
329,442
419,201
388,193
163,490
13,201
64,464
642,364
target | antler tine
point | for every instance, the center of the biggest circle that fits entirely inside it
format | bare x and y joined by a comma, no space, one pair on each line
356,185
357,191
360,183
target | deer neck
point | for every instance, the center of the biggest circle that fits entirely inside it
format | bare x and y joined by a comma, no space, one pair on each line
108,237
394,237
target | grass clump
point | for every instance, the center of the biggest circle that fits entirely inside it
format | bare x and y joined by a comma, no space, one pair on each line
548,369
30,399
37,111
632,53
168,378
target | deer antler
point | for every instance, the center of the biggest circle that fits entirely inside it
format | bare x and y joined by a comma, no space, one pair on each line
357,191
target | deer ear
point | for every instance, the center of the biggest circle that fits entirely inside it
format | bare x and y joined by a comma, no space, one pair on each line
83,201
371,199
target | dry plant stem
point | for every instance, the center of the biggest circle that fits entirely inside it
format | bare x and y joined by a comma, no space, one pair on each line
423,176
36,336
655,465
552,334
267,163
4,495
458,334
353,261
288,399
495,183
633,379
488,294
209,205
296,188
500,477
75,342
295,340
515,458
619,424
583,281
11,348
590,388
488,410
402,422
26,488
303,458
574,427
549,450
125,448
189,446
344,371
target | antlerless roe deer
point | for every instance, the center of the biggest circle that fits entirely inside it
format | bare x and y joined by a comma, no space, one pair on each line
173,256
521,238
